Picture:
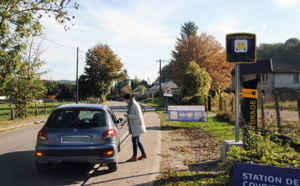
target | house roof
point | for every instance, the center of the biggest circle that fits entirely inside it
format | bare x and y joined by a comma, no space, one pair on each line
172,84
267,66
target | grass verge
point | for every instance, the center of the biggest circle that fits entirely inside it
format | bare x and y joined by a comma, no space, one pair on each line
218,131
158,102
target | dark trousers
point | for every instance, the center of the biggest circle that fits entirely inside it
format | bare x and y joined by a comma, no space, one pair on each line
137,143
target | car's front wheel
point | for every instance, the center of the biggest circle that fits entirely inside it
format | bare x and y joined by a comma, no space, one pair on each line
41,168
113,166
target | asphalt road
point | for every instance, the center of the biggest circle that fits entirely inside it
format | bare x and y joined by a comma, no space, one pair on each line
17,165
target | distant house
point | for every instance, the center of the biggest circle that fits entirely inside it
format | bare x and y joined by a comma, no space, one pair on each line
4,99
164,86
274,75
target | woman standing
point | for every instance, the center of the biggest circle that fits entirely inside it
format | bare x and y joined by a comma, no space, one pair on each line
135,120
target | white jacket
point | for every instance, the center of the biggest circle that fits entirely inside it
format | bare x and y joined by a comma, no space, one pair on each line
136,119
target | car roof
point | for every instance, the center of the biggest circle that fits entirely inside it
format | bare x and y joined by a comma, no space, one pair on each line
83,106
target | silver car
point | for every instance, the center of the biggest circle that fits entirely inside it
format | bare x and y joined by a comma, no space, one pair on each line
79,133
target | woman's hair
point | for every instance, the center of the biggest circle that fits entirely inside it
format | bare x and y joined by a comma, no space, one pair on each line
128,96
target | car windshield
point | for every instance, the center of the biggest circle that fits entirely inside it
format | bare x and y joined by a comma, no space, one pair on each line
77,118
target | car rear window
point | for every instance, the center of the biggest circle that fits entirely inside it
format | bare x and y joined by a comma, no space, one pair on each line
77,118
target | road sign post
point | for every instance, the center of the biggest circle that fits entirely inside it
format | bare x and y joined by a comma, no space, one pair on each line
167,93
240,48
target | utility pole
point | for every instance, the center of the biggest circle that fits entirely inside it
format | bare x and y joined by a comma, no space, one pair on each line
160,74
77,85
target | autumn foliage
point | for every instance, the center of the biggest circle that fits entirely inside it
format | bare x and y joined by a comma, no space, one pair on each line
103,67
207,52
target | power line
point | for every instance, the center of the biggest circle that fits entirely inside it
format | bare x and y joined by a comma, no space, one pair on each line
82,51
57,43
140,66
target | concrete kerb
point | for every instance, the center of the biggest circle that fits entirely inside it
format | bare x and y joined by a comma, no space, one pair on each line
34,121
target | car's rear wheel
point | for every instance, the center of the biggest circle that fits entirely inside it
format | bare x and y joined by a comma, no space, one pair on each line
113,166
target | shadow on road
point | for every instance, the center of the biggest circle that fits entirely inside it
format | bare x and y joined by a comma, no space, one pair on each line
18,168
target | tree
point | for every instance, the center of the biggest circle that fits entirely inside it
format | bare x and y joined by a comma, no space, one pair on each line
188,30
287,52
102,67
52,88
125,90
67,91
207,52
165,72
195,81
141,87
293,41
84,87
145,84
20,20
123,82
26,85
135,83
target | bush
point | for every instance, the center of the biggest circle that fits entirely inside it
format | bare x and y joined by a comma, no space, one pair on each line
226,116
141,98
197,99
261,150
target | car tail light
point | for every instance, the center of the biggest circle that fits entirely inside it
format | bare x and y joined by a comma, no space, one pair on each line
108,153
109,134
39,154
42,135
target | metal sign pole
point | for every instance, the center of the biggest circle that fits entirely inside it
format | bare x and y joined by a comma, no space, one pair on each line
237,80
166,109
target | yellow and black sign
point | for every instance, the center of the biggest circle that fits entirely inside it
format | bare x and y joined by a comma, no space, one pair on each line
253,114
241,48
249,104
249,93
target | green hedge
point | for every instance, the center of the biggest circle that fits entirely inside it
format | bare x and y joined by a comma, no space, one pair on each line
260,149
197,99
226,116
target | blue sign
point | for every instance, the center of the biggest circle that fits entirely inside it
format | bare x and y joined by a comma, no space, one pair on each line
186,113
252,175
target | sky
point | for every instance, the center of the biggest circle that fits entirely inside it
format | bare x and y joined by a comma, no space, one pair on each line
142,32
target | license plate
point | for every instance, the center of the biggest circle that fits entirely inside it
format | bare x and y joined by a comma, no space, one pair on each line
75,139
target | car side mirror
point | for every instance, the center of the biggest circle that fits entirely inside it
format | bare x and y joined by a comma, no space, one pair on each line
120,120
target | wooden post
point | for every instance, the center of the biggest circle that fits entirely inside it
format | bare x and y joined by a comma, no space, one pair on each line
298,101
277,111
12,114
261,101
208,103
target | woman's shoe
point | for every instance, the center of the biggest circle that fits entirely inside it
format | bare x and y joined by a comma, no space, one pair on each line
133,158
143,156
